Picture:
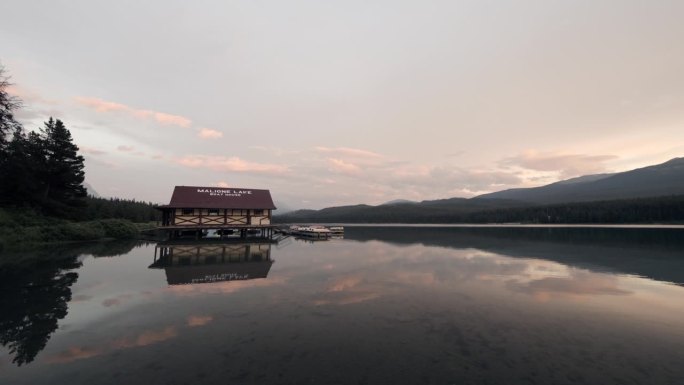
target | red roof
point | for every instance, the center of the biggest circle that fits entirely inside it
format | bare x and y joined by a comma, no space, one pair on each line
220,198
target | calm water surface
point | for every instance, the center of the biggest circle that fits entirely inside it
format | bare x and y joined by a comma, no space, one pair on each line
382,306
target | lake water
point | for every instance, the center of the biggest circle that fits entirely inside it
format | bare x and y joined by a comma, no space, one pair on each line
385,305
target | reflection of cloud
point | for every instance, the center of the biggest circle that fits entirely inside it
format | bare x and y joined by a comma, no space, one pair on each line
347,290
145,338
578,283
347,299
74,353
81,298
225,287
344,283
199,320
116,301
111,302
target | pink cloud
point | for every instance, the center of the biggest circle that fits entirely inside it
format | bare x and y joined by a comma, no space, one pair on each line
567,165
233,164
29,96
92,151
349,152
123,148
100,105
339,165
208,133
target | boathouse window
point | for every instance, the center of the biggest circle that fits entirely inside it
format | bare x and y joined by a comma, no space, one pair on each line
213,211
238,212
188,211
258,212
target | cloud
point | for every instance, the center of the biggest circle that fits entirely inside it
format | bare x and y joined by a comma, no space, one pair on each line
29,96
105,106
222,184
348,152
100,105
428,181
566,165
123,148
92,151
208,133
231,164
339,165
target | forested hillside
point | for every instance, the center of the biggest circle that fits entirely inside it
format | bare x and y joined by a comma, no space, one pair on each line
666,209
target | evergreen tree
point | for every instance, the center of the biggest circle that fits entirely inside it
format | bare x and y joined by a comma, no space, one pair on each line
8,125
8,104
25,163
64,175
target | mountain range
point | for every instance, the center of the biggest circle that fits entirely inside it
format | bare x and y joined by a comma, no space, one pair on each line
662,179
666,179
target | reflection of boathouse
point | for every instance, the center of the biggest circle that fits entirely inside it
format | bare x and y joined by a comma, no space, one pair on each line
230,212
212,262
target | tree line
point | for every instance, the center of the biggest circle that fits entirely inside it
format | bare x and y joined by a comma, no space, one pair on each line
665,209
42,170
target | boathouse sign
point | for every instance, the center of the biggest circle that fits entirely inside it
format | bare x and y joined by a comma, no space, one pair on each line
223,192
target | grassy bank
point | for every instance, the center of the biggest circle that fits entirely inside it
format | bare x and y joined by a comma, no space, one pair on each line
25,227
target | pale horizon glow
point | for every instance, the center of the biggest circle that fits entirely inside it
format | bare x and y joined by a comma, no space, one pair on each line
335,103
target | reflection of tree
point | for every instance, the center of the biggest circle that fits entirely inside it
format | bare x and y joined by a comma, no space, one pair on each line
34,298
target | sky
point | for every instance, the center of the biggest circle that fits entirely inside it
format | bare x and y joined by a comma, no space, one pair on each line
329,103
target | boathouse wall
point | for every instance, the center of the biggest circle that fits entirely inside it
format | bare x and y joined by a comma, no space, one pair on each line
195,217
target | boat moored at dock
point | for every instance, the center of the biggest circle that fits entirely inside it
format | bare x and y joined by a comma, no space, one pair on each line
313,231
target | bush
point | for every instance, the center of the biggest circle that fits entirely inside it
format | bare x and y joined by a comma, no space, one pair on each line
118,228
63,231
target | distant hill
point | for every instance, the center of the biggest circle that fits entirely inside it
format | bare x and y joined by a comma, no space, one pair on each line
662,179
398,202
654,193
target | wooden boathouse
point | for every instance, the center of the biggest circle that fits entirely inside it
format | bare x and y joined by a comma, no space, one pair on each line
229,212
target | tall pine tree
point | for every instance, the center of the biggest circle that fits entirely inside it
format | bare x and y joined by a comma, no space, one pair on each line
25,158
8,104
64,175
8,125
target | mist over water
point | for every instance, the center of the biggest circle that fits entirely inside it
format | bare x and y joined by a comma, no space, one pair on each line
384,305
